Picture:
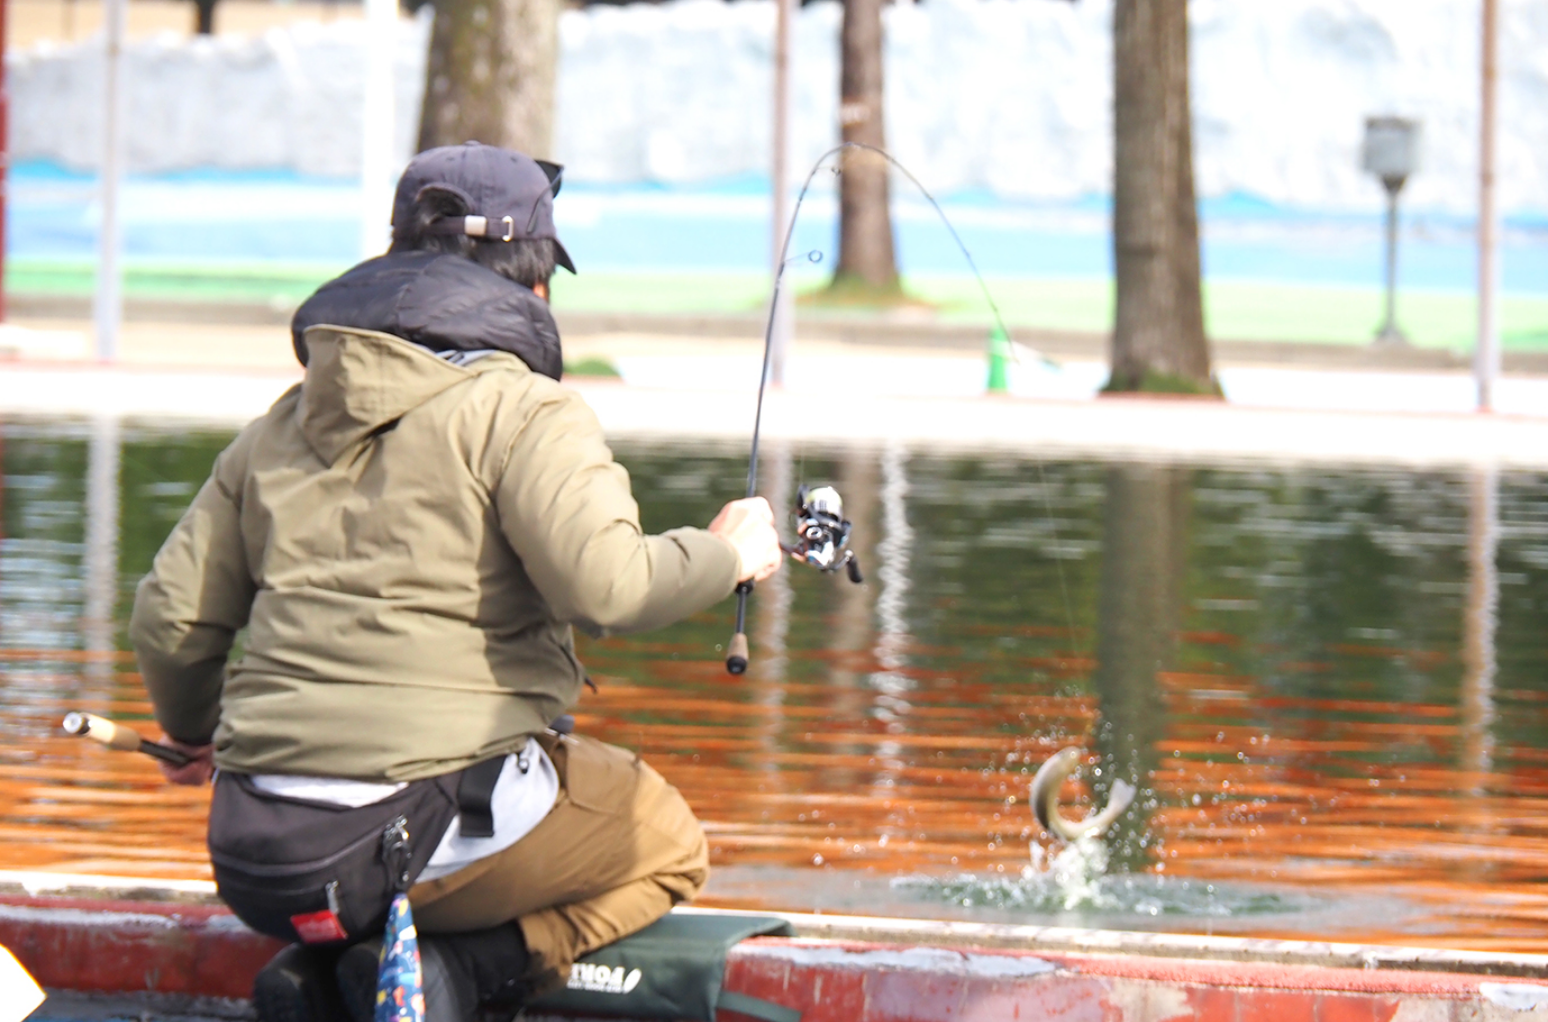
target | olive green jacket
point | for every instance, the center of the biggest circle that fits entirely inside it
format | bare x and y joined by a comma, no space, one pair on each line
407,543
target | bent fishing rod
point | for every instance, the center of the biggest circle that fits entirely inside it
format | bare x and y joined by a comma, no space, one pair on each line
822,531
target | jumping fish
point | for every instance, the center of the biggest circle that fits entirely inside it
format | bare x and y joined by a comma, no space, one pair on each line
1045,799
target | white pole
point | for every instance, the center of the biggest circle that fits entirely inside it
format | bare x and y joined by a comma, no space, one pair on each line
377,119
109,310
784,312
1487,353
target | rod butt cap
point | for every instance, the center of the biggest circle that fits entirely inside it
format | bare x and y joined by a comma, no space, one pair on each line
736,657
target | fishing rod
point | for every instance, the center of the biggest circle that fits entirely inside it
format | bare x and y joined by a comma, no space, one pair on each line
822,530
118,736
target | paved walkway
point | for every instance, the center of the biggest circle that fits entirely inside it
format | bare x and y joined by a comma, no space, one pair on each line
835,392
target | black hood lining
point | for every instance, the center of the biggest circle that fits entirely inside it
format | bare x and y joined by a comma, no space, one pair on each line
440,302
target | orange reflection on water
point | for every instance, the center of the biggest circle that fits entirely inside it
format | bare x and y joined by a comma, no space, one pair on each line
800,775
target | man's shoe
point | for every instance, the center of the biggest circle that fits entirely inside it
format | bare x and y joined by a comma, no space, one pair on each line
356,976
297,986
496,961
450,993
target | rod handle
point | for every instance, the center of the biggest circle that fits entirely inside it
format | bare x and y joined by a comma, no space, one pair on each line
117,736
165,753
100,729
736,656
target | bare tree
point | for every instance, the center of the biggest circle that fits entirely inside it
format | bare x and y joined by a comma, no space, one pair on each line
491,74
1158,325
867,264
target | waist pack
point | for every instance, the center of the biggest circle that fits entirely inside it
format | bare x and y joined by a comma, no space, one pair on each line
315,872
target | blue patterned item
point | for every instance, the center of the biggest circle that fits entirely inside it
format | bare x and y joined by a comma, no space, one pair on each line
400,995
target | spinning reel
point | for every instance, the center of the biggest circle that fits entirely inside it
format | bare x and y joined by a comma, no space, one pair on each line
822,538
822,533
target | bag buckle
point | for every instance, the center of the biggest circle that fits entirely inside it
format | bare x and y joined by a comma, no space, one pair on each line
396,853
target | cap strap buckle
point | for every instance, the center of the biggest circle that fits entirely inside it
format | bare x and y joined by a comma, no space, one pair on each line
478,227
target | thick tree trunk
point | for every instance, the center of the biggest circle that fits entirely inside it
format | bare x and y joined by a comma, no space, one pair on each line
865,223
1158,326
1144,560
204,17
491,75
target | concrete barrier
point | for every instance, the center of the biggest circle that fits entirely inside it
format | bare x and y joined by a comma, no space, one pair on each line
172,948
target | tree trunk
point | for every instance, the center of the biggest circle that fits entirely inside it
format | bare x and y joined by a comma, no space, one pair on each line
1144,560
491,75
1158,326
866,257
204,17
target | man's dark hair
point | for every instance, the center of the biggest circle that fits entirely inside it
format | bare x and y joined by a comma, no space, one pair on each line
527,261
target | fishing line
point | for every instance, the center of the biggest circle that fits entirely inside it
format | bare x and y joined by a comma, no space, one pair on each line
737,651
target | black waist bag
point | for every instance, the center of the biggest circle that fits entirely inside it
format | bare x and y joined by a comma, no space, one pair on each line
317,873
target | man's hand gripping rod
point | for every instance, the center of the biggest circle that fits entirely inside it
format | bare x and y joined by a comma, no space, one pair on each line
822,537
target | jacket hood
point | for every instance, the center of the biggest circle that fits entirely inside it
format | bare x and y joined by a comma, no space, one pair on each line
441,303
359,384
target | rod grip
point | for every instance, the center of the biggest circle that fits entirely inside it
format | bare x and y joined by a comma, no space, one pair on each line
736,656
100,729
165,753
117,736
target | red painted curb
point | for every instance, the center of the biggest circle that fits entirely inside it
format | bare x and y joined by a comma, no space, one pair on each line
133,947
880,983
129,947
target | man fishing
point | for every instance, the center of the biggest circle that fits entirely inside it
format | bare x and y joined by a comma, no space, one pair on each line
408,537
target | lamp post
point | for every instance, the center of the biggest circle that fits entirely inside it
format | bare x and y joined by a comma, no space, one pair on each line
1391,152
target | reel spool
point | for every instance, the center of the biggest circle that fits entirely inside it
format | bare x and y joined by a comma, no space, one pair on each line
822,532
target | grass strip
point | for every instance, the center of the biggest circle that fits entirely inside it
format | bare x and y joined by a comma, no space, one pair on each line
1236,309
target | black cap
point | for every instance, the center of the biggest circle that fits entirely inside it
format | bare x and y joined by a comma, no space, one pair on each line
509,195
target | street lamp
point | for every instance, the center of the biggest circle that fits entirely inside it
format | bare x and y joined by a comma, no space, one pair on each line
1391,152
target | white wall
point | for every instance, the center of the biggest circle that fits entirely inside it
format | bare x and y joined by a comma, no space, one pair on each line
290,98
1009,95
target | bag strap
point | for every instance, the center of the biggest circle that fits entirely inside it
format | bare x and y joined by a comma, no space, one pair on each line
755,1007
475,789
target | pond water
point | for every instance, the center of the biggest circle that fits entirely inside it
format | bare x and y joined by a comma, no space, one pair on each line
1330,685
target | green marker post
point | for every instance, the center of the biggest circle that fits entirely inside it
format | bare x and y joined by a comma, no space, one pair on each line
999,357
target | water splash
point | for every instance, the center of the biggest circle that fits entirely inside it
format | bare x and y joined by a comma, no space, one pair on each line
1074,880
1073,874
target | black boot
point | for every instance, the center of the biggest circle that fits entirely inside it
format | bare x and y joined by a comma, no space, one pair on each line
298,986
463,972
495,960
449,992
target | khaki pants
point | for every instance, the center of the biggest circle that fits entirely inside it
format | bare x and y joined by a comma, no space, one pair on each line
617,851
